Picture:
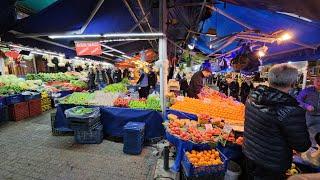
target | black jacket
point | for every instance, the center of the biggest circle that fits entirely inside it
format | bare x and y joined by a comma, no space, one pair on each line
117,76
196,84
152,79
274,126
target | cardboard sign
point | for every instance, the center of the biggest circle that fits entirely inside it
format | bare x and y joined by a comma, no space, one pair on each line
88,48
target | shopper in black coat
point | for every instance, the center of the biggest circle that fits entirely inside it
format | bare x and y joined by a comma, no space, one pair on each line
275,125
184,85
245,89
117,75
223,86
152,79
125,73
234,89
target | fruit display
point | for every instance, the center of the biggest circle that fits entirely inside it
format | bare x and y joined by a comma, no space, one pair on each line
227,109
45,102
79,98
104,99
78,83
81,111
117,87
204,158
121,102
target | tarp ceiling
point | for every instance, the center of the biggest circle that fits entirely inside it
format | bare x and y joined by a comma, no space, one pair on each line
267,22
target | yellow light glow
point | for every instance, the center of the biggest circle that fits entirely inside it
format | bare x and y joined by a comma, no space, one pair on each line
261,53
285,37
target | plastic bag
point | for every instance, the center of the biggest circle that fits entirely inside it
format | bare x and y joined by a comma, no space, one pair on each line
82,112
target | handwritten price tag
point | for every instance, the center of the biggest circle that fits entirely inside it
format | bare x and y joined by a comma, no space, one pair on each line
208,127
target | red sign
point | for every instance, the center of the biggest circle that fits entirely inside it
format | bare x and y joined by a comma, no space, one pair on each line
88,48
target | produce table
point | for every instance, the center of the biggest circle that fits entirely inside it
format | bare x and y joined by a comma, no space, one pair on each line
233,152
114,119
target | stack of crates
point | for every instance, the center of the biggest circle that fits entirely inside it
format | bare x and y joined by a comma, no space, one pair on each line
35,108
45,102
133,137
87,130
19,111
4,117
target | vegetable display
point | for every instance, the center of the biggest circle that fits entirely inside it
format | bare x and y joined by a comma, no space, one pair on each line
137,104
117,87
79,98
122,102
104,99
49,77
153,103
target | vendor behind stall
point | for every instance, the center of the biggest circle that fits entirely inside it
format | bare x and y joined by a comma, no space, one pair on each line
309,99
196,83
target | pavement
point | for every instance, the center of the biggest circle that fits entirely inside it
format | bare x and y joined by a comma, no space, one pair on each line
29,151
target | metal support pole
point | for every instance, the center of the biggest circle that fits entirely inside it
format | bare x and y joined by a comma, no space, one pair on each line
163,72
34,65
305,74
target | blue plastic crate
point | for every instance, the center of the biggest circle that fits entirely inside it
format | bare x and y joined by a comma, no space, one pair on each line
31,96
4,111
94,136
3,101
14,99
192,171
83,124
133,137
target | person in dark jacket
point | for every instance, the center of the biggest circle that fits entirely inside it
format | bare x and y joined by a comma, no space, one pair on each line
234,89
245,89
152,79
309,99
184,85
223,86
101,77
117,75
91,80
109,76
125,73
274,126
196,83
143,83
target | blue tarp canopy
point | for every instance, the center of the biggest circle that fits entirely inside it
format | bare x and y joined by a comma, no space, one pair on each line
304,32
70,15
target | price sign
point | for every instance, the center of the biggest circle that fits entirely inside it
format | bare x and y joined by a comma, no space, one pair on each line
208,127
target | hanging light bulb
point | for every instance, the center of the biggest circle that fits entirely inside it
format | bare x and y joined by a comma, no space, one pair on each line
261,54
191,46
285,37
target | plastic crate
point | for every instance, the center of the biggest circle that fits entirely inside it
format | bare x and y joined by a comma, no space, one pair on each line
34,107
31,97
192,171
94,136
58,131
19,111
14,99
83,124
3,101
133,137
4,114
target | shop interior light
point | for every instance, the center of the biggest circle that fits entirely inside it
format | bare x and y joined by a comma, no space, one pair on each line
108,54
125,56
70,36
111,48
133,35
191,46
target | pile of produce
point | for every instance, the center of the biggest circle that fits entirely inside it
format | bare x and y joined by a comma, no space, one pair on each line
49,77
138,104
293,170
190,130
204,158
104,99
79,98
152,102
57,86
81,111
122,102
11,84
117,87
78,83
225,108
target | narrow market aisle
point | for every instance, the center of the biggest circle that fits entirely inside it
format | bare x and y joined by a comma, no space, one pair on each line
29,151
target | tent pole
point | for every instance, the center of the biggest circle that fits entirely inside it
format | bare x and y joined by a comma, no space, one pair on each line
93,13
305,74
229,17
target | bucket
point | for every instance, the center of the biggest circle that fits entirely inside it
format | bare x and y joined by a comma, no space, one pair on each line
233,171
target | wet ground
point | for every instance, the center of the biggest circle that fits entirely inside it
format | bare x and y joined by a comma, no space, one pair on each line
29,151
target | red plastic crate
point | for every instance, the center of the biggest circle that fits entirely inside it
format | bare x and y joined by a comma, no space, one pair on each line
34,107
19,111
